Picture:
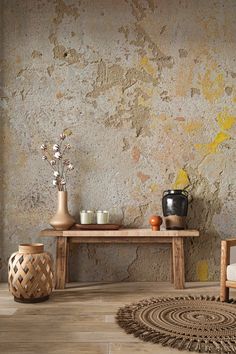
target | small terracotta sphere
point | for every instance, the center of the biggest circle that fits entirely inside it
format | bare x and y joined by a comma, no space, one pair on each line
155,221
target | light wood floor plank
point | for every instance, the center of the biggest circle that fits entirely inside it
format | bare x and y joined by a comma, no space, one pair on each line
55,336
54,348
81,319
49,326
142,348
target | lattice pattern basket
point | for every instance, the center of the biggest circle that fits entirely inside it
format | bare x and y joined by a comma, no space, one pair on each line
30,273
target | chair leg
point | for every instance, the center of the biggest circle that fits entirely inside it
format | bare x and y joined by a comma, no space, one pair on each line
225,257
224,293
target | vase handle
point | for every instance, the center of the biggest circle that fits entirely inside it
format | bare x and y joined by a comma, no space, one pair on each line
185,192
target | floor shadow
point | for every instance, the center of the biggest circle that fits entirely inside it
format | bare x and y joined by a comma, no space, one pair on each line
102,290
88,285
201,285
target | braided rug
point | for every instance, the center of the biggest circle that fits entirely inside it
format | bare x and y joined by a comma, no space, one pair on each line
194,323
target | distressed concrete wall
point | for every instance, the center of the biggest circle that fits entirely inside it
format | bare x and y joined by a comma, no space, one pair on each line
148,88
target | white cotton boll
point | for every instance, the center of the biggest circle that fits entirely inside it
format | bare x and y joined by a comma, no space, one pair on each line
43,147
55,147
54,182
57,155
56,173
63,182
70,167
52,162
44,157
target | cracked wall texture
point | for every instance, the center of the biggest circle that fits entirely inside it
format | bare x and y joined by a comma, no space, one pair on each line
148,88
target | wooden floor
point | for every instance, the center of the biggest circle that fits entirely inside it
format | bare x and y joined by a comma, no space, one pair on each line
80,319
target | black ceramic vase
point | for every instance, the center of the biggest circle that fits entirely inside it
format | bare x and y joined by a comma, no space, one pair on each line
175,208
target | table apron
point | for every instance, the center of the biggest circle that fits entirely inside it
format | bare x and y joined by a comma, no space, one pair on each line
117,240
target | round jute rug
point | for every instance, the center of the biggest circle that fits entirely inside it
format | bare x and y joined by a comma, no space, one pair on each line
202,324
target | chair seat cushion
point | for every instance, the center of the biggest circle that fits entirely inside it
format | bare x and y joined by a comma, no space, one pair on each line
231,272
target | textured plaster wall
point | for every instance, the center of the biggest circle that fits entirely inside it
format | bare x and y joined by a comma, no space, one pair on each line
148,88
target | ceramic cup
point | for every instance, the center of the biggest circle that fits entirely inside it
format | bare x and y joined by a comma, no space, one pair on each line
102,217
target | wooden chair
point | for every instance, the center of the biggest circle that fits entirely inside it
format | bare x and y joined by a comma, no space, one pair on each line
227,270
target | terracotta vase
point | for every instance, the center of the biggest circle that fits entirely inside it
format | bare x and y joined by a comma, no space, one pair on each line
155,221
62,220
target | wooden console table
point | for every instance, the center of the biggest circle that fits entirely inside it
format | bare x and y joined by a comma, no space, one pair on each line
135,236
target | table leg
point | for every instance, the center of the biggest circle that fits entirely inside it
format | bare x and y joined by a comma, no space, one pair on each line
61,262
68,261
171,266
178,262
225,260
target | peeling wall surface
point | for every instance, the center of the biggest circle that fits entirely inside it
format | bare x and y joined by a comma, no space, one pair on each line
148,88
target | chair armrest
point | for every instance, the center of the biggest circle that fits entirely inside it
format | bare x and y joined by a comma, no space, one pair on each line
224,262
230,242
225,252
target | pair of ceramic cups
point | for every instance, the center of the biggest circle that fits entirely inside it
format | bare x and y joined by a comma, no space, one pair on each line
88,217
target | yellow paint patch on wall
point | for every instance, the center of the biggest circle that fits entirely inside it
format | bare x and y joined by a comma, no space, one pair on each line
149,91
212,85
153,187
144,62
182,180
225,120
211,148
192,126
202,270
143,102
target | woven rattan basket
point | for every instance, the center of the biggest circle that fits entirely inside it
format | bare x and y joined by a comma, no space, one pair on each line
30,273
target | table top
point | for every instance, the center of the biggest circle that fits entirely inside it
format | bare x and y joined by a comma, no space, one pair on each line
123,232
